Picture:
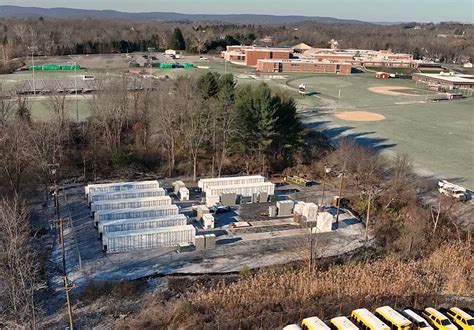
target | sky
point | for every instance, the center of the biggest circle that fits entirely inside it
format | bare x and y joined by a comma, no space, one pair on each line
368,10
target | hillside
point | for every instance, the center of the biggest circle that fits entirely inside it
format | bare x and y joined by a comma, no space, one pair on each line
17,11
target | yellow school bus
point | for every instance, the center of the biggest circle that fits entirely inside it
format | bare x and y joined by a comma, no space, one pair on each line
367,321
393,318
437,319
342,323
313,323
461,318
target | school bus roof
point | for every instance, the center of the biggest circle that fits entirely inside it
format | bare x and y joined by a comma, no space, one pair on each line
414,315
370,319
315,323
392,315
461,313
343,322
436,313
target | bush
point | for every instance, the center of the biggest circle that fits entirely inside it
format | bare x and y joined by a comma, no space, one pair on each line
120,158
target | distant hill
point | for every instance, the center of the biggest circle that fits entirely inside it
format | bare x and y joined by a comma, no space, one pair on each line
17,11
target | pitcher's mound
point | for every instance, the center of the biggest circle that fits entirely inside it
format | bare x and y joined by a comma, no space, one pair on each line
359,116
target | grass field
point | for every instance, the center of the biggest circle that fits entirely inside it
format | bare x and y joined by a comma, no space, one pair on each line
437,136
42,110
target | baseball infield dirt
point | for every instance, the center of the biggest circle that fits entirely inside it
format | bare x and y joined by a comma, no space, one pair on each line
359,116
390,90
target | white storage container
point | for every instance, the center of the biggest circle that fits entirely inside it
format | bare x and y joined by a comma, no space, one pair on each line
140,212
310,211
183,194
121,186
299,207
102,196
324,222
122,241
208,221
242,189
201,210
130,203
143,223
178,185
226,181
212,200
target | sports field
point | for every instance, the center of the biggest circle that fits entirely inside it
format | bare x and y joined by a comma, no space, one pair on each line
393,116
438,136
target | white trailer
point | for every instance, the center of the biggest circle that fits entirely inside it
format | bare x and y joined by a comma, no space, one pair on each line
228,181
130,203
143,223
121,186
453,190
122,241
102,196
140,212
242,189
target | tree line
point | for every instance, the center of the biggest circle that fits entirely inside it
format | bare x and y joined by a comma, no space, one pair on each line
446,42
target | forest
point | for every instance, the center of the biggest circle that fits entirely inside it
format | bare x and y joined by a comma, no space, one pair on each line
445,42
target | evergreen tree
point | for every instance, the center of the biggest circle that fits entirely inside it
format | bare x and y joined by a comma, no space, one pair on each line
289,132
177,40
254,123
208,84
266,126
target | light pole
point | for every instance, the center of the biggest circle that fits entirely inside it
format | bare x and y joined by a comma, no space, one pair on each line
75,88
32,49
327,170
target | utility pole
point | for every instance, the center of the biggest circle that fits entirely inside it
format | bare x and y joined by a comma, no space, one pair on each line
368,218
67,287
341,184
327,170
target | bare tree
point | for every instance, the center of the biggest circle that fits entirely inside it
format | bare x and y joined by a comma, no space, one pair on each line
195,117
7,110
110,110
18,266
164,121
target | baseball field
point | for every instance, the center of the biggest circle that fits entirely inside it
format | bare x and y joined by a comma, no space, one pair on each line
395,116
392,116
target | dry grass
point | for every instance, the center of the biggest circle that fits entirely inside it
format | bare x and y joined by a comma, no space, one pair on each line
272,298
